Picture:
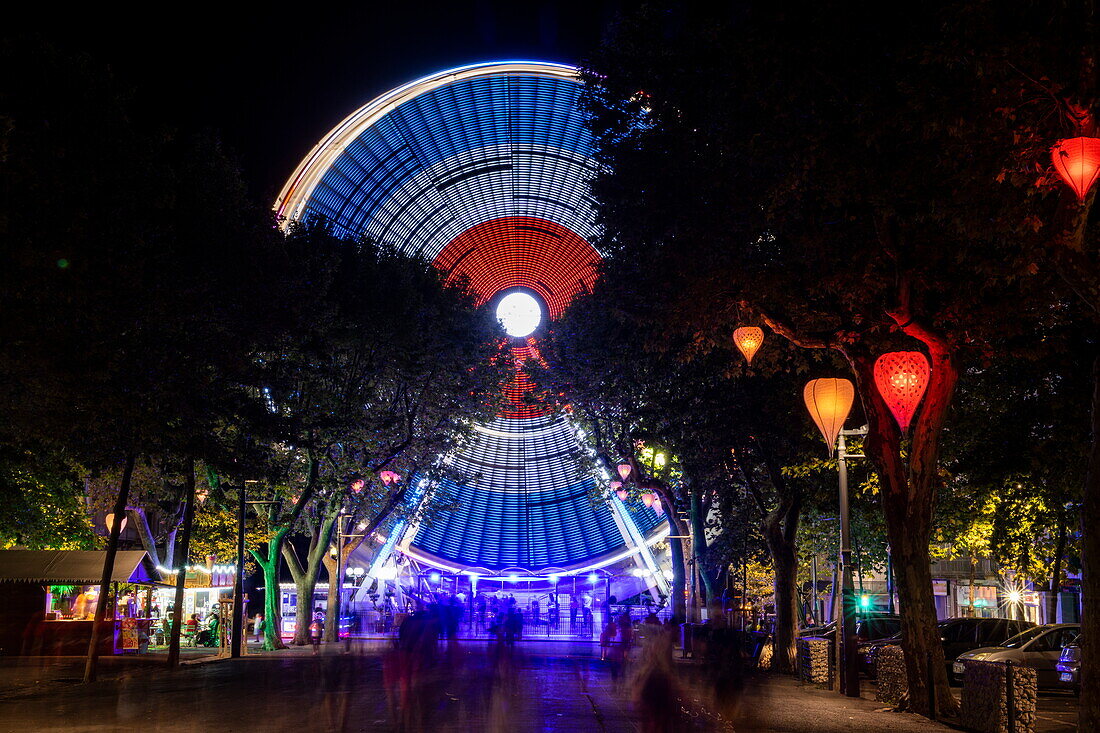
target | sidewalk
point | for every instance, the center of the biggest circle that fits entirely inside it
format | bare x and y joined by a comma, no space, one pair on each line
554,686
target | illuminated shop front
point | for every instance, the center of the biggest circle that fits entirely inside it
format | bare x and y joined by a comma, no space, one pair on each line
51,598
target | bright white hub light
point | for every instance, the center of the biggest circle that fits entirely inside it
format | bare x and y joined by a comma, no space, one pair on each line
519,313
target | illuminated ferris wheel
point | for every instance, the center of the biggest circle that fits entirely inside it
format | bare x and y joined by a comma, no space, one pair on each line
483,170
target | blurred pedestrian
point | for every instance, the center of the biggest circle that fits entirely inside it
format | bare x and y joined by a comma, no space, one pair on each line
607,638
316,631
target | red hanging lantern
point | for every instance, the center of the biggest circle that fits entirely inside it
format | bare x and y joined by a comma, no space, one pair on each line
389,478
901,378
748,340
1077,160
624,470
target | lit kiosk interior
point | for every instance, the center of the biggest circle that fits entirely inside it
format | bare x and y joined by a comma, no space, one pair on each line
50,599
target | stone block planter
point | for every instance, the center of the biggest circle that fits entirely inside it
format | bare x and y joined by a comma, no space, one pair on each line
893,685
985,694
814,660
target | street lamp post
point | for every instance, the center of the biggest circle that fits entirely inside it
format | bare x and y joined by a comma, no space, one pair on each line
829,401
237,638
340,535
850,676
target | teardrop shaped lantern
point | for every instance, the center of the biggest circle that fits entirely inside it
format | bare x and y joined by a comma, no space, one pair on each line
748,340
109,521
829,402
624,470
357,485
647,499
1077,160
901,378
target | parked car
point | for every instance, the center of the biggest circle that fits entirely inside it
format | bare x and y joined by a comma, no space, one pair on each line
1039,648
869,627
1069,667
959,635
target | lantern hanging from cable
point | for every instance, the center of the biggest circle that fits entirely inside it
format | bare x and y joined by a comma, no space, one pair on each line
647,499
389,478
357,486
109,520
624,470
901,378
617,487
1077,160
829,402
748,340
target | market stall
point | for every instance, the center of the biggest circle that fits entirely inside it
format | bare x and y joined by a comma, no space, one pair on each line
50,599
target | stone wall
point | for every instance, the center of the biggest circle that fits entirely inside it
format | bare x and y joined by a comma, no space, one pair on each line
814,656
893,685
984,698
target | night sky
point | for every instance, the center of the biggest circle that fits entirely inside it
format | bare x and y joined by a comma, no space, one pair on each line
272,82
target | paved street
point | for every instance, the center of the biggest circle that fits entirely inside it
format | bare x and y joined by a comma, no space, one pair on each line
543,686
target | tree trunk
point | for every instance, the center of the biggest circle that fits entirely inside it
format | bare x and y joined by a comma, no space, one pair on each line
1089,713
273,615
332,607
785,566
1055,582
104,597
698,531
908,499
679,574
305,577
181,568
141,523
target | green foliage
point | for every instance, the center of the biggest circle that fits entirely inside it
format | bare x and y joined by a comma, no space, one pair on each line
43,502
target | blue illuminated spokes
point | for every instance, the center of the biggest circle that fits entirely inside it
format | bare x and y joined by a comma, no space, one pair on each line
529,506
479,148
450,153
